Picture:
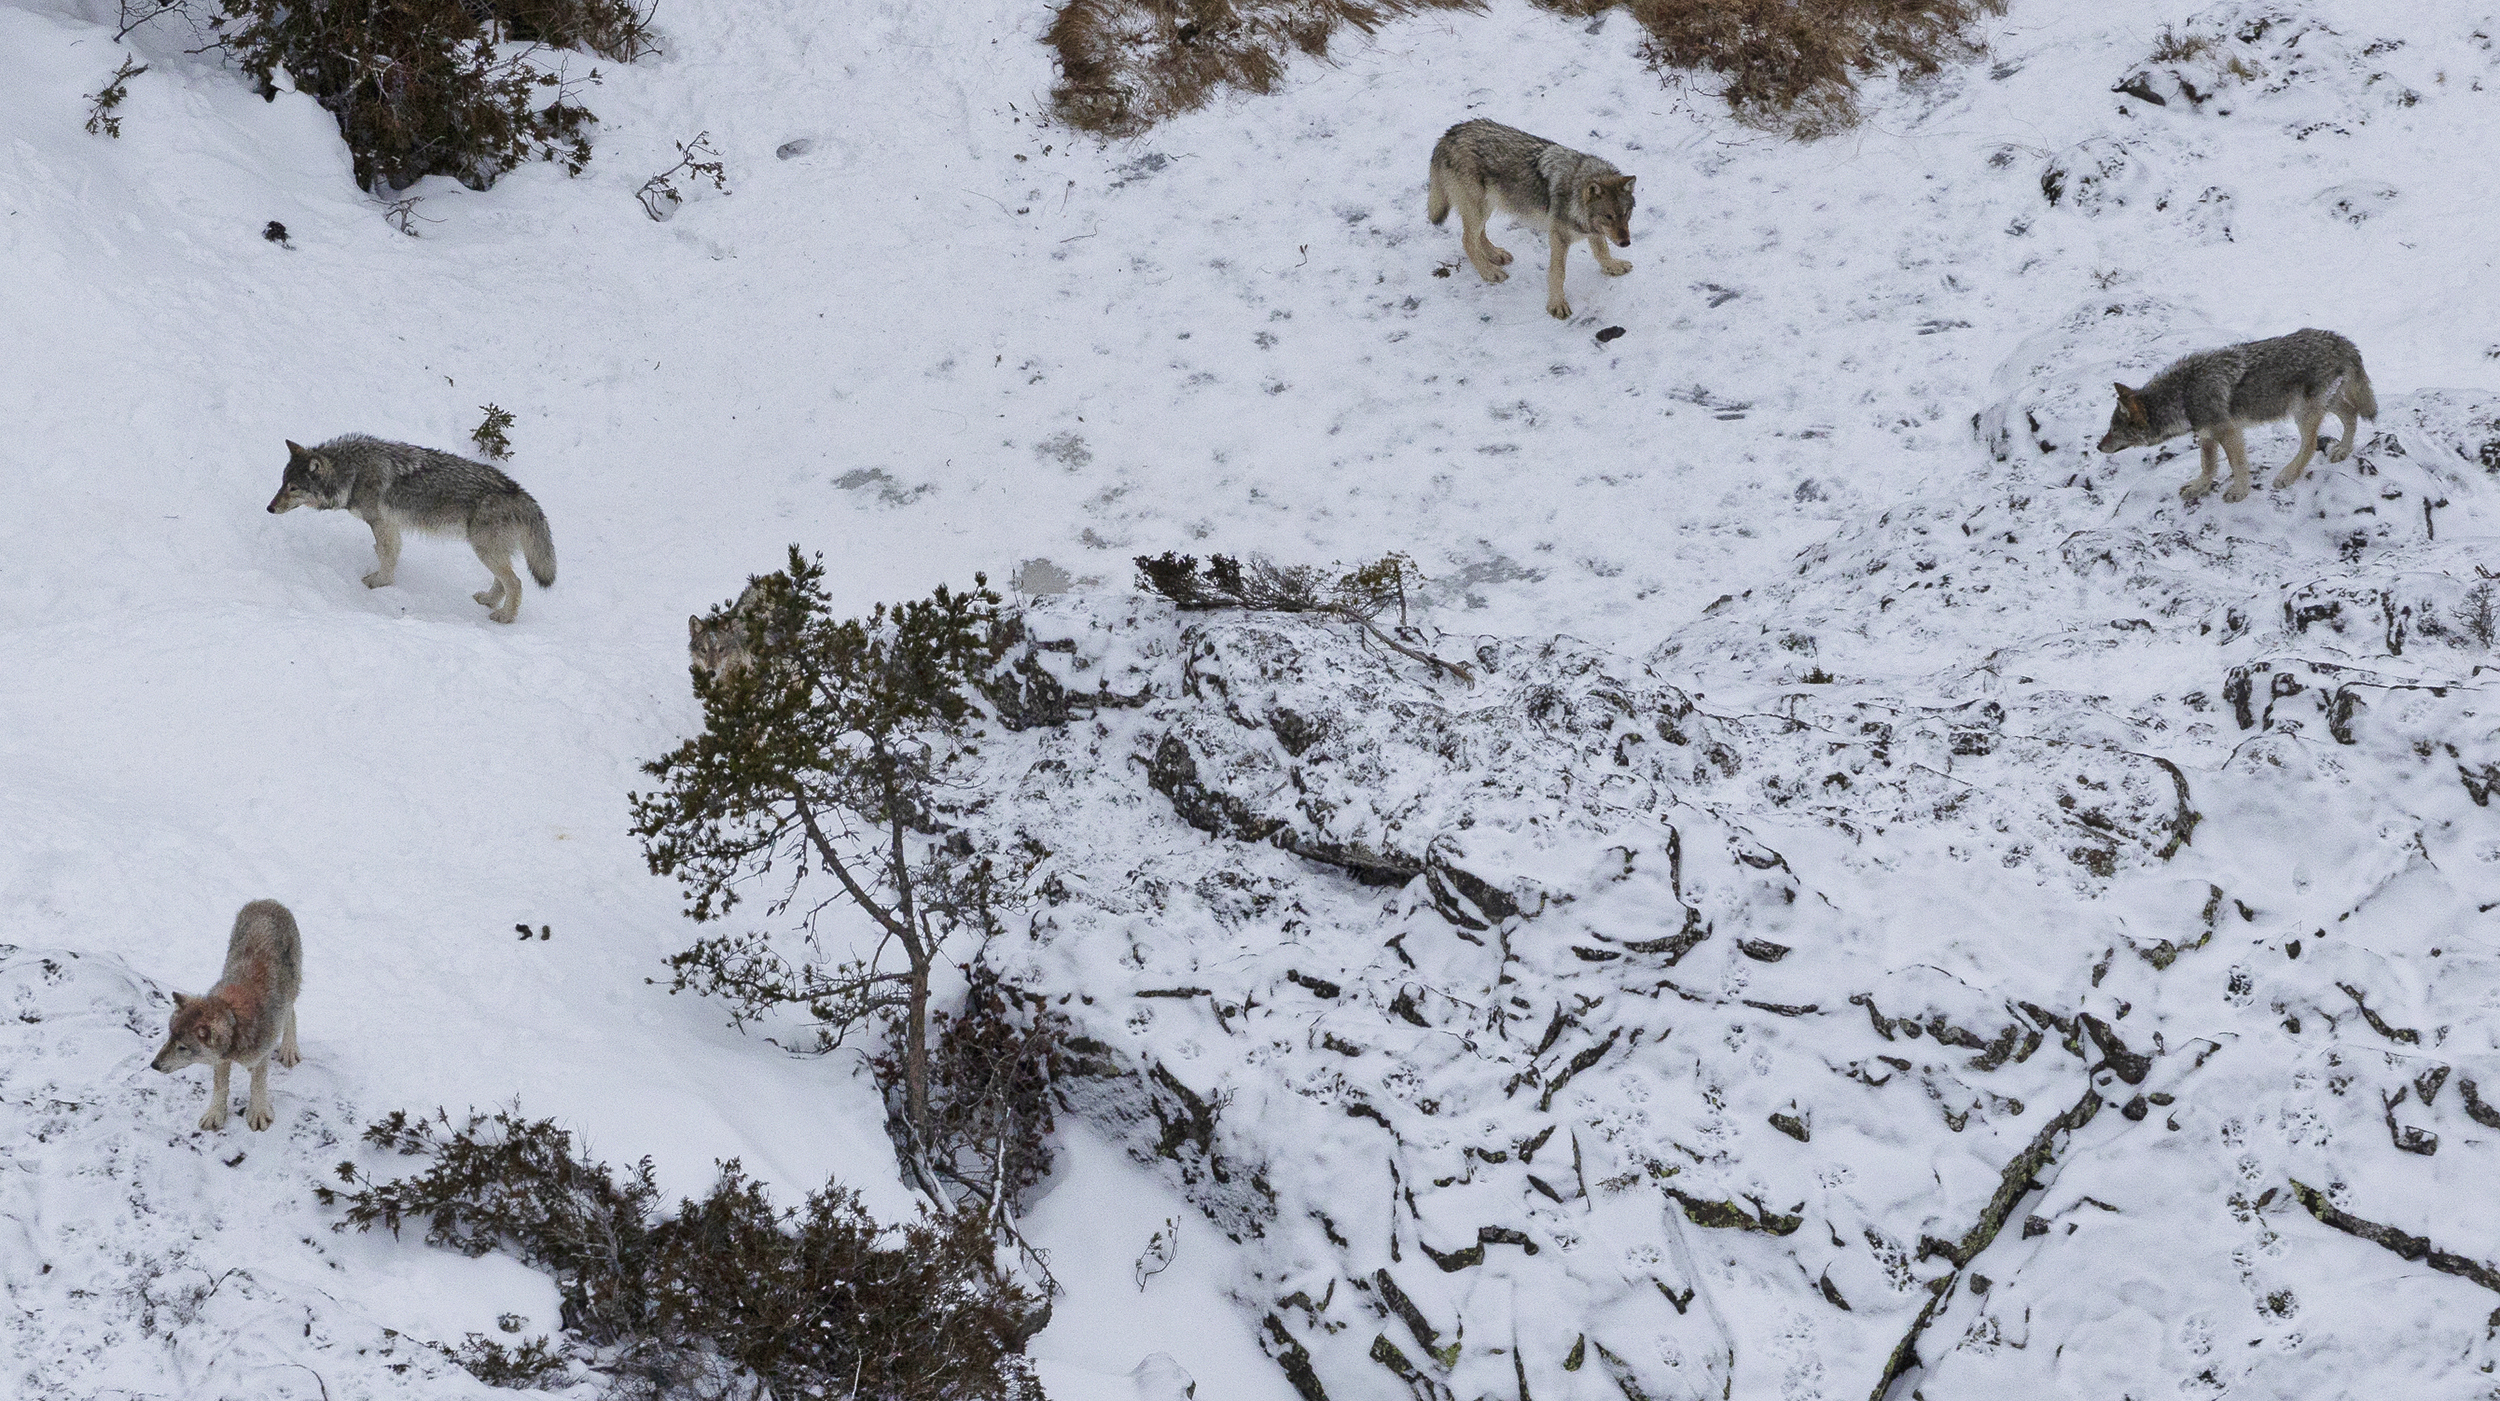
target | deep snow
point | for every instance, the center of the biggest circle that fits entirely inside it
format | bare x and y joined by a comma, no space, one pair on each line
947,337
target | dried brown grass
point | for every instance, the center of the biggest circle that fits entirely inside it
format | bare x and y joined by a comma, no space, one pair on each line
1795,65
1789,65
1125,65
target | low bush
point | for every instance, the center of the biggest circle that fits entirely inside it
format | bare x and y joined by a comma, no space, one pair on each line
462,88
1795,65
1125,65
722,1295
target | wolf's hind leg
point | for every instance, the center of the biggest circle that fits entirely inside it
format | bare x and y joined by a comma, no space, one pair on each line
2235,446
218,1092
385,553
288,1055
2306,415
1607,263
505,597
1557,305
1480,251
2207,455
256,1115
2352,424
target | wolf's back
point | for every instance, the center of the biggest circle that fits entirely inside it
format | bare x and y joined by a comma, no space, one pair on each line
265,929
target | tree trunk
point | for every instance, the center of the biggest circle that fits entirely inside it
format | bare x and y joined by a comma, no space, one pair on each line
916,1050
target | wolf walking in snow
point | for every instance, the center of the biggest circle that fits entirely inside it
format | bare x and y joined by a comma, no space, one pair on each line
2215,393
248,1017
1480,165
394,487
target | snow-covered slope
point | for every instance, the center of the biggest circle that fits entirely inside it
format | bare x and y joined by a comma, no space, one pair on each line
1846,436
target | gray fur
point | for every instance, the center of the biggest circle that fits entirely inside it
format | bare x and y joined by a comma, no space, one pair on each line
394,487
718,644
2216,393
1480,165
248,1018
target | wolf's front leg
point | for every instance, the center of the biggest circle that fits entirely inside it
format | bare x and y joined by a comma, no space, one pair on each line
1607,263
218,1092
288,1055
257,1115
386,553
1556,304
2207,456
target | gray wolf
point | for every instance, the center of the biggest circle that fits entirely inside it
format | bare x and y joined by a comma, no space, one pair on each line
394,487
768,613
1479,165
718,644
246,1019
2215,393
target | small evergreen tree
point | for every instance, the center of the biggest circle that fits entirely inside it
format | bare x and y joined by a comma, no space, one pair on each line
831,753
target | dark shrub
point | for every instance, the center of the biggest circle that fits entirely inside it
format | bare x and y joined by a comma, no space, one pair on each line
817,1300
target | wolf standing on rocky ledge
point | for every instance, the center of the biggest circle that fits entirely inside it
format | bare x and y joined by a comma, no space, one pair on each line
1479,165
394,487
248,1017
2215,393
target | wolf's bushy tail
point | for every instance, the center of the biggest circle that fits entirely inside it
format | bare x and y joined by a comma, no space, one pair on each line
2359,394
537,545
1437,204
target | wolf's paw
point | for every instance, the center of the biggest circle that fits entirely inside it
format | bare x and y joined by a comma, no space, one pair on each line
289,1057
489,597
1492,272
2194,491
1500,256
2235,492
214,1119
2341,450
258,1117
504,615
1559,309
377,580
1614,267
2289,475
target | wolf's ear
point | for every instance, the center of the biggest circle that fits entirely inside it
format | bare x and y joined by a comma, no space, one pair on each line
1626,186
181,1000
2132,405
694,625
293,448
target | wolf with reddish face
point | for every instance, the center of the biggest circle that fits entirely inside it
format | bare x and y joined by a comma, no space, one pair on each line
248,1018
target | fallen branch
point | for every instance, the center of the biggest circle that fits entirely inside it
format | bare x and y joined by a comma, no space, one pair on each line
2012,1184
1259,586
2388,1237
